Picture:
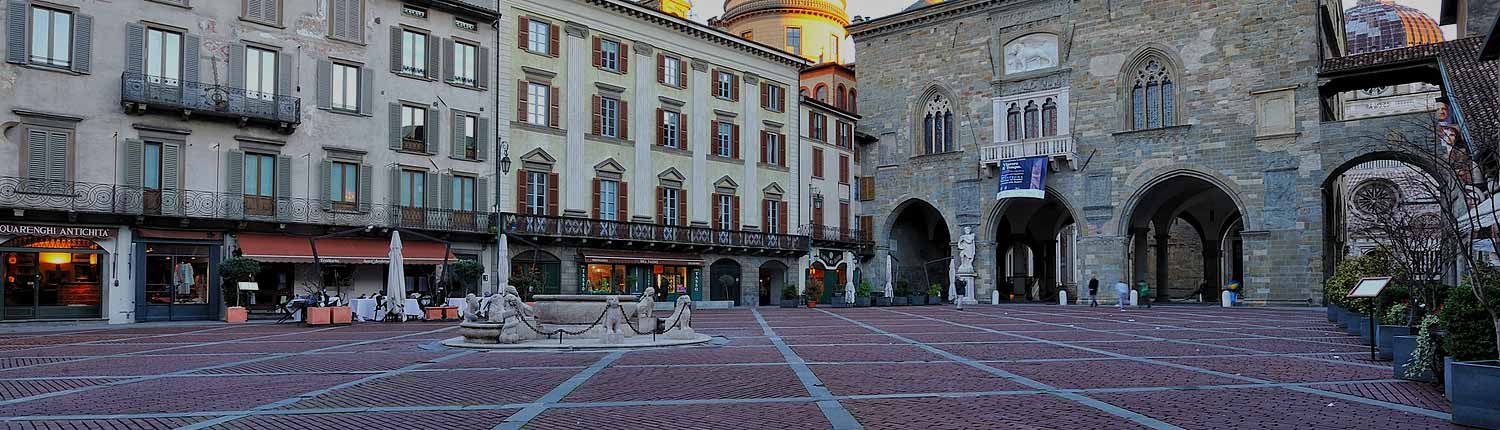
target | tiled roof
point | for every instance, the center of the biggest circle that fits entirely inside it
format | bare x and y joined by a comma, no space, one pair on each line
1388,57
1472,86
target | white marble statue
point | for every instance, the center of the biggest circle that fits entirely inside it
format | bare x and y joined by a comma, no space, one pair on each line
966,251
849,283
890,270
613,320
645,311
952,279
512,314
679,324
473,308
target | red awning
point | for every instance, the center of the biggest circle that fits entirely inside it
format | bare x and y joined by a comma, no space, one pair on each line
291,249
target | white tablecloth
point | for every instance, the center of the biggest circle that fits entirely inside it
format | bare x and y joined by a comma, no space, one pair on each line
412,309
364,309
459,303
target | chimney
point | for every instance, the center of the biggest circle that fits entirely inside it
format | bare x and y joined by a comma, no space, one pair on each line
678,8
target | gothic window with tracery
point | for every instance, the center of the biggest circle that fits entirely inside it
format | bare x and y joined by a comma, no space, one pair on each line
937,127
1013,123
1376,197
1152,103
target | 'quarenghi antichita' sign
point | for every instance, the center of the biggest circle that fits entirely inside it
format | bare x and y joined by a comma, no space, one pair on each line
56,231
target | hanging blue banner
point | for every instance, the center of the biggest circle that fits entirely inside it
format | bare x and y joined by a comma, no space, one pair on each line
1023,178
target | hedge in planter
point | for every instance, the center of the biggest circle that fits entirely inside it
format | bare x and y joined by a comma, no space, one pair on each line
935,294
1471,332
788,296
903,294
862,294
1348,273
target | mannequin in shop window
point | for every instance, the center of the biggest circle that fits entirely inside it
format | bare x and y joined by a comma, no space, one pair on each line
182,277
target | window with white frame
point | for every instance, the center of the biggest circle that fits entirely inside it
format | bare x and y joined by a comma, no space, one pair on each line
724,85
463,193
672,72
260,73
413,53
538,36
536,192
671,124
669,197
538,103
51,37
726,211
773,216
609,117
773,149
414,128
725,139
794,40
345,88
609,200
465,64
609,55
163,56
470,134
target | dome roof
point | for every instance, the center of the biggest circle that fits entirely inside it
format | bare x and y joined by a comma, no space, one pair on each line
736,9
1378,25
921,4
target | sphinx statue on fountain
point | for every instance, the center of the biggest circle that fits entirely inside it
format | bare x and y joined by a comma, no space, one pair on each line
678,326
499,318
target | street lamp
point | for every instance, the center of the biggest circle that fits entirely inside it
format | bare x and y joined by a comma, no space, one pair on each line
502,246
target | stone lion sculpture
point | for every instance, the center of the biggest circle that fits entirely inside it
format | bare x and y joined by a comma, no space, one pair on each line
645,318
511,316
614,318
679,324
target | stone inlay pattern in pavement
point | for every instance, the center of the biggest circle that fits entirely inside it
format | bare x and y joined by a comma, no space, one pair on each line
927,367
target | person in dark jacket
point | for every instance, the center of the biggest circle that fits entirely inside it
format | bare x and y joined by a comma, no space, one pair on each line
1094,291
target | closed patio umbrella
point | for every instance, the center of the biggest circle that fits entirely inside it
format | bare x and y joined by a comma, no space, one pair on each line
395,280
502,265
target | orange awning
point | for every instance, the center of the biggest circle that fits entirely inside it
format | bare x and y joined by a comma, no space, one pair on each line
291,249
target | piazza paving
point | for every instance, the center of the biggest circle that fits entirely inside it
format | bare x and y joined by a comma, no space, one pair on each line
987,367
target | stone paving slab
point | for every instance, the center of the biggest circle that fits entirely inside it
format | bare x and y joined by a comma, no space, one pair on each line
1286,369
1267,409
179,395
119,366
768,416
689,383
424,420
446,388
870,379
114,424
863,353
1111,374
702,355
1030,412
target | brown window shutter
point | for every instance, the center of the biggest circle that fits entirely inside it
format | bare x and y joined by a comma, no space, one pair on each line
596,198
682,198
823,127
734,88
554,47
682,131
525,33
661,212
598,54
682,69
521,101
734,139
783,218
817,162
661,127
552,194
844,219
598,116
735,214
661,69
782,160
765,216
624,121
555,119
714,78
763,147
624,59
521,192
623,203
713,140
765,96
843,169
714,199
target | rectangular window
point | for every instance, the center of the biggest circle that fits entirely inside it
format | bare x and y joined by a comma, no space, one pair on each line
463,193
794,40
262,11
260,175
469,127
843,169
671,123
609,55
773,216
163,57
538,35
538,103
774,98
609,200
817,161
818,126
536,193
152,173
343,183
413,53
345,88
413,183
51,37
726,211
773,148
346,20
413,128
724,136
260,73
669,198
672,70
609,117
465,64
724,85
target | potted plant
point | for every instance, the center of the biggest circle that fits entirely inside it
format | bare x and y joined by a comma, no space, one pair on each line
814,291
918,296
862,294
1392,324
903,294
879,298
1472,373
232,271
935,294
1414,354
788,296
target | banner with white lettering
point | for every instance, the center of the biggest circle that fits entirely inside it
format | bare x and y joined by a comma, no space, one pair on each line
1023,178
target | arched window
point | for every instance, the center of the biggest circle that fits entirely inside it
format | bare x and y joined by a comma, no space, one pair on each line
1033,120
853,101
1153,101
820,93
1049,118
802,91
841,98
937,127
1013,123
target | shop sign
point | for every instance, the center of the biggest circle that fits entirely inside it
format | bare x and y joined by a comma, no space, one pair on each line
56,231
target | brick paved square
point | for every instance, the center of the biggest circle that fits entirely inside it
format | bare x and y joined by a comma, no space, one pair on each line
1030,412
819,339
859,353
120,366
856,379
11,390
446,388
510,359
970,336
330,362
424,420
1158,348
702,355
1287,369
758,416
179,394
132,424
1016,351
1110,374
1266,409
689,383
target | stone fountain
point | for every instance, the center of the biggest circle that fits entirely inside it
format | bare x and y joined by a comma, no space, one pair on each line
503,321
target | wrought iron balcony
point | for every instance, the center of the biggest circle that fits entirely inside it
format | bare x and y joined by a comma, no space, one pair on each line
838,237
139,93
585,229
109,199
1050,146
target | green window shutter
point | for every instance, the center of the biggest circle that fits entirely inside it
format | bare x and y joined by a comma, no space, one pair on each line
190,44
171,177
283,177
481,195
434,46
366,178
325,170
83,43
57,156
395,49
458,135
36,154
135,49
284,76
483,74
395,117
447,186
483,138
395,186
135,151
434,123
234,175
237,65
431,193
447,59
16,14
366,91
325,84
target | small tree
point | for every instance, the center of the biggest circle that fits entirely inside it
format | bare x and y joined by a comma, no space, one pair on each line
466,274
234,270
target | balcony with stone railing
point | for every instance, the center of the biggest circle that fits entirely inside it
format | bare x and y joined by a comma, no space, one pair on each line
1050,146
140,93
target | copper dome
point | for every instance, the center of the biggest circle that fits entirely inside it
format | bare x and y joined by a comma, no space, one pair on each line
1378,25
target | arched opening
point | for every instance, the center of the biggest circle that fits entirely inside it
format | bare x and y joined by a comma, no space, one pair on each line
841,98
1177,230
921,245
820,92
724,281
853,101
772,280
1035,240
1374,200
536,272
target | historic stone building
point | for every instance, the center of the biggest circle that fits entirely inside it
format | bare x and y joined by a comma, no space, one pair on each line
1229,122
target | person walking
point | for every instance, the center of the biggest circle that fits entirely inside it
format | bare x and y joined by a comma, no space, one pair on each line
1145,293
1094,291
1123,290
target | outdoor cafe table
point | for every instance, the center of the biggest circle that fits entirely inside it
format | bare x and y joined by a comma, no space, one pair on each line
364,309
413,309
458,302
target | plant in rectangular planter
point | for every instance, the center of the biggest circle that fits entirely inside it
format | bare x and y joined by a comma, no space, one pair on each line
880,299
788,296
1392,323
935,294
903,294
1474,380
1415,356
862,294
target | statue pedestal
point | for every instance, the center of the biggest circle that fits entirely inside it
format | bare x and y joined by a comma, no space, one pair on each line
968,296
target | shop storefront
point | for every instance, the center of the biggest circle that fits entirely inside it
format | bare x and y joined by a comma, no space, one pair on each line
53,272
351,267
608,273
176,275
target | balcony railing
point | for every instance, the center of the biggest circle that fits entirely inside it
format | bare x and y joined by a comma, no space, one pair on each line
585,228
838,235
139,91
110,199
1051,146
